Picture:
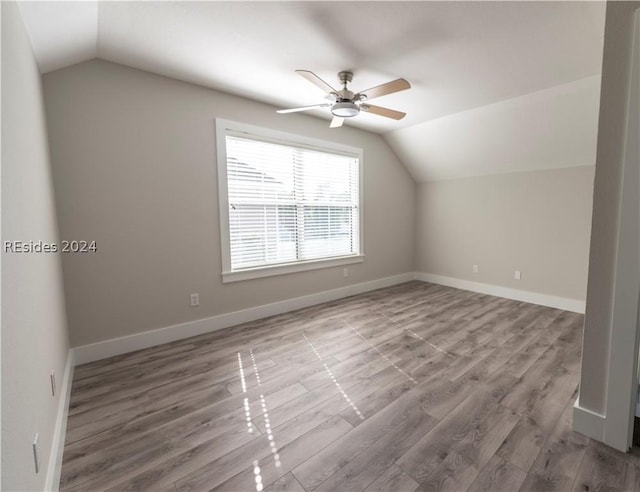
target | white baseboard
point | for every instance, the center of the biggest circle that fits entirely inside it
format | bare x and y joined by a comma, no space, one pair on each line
52,482
563,303
589,423
121,345
117,346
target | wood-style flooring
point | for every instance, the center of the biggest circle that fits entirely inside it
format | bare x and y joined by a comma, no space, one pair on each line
412,387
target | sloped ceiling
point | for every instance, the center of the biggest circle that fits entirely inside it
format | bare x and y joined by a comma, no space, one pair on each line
552,128
497,86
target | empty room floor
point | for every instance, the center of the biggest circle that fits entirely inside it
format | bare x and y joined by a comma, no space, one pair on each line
412,387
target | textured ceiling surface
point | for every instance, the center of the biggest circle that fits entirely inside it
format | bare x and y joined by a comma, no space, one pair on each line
458,56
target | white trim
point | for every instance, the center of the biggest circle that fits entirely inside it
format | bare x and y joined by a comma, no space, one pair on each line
563,303
587,422
301,266
222,127
54,468
117,346
622,366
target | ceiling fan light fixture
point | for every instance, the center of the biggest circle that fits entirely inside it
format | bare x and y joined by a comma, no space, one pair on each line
347,104
345,109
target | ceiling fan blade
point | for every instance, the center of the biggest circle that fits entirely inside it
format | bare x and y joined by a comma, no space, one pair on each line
379,110
303,108
384,89
317,81
332,98
336,122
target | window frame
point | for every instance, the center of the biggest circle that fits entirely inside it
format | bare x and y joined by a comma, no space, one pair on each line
226,127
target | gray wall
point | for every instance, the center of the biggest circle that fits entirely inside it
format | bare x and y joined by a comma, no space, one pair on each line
34,335
135,169
535,222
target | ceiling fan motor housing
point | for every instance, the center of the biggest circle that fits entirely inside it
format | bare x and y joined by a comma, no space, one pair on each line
345,77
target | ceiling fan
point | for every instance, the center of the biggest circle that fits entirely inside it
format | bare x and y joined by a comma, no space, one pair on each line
347,104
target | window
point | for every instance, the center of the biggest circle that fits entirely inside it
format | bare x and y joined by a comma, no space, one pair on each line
287,203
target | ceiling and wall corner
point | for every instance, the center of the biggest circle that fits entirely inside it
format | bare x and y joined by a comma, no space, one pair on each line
72,38
496,79
549,129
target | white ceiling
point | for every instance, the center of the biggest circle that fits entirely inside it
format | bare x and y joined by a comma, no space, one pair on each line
458,56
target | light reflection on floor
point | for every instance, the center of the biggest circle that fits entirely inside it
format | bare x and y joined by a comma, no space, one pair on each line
247,409
333,378
393,364
265,415
415,335
258,475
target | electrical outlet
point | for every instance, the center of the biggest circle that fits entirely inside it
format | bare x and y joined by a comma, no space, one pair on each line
345,272
475,269
517,275
53,383
195,300
36,453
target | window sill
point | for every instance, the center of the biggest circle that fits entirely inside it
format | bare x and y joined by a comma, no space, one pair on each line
270,271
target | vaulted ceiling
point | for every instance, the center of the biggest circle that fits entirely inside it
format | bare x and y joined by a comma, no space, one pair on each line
496,86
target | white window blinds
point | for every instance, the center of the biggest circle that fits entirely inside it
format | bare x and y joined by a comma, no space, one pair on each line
289,204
